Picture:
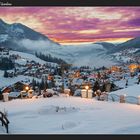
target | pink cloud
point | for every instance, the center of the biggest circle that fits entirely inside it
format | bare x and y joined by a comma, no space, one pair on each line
65,23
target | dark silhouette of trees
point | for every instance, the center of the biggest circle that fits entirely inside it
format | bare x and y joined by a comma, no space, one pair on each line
49,58
6,64
5,74
41,85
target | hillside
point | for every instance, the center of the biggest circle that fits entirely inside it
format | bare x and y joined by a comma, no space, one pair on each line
21,38
130,44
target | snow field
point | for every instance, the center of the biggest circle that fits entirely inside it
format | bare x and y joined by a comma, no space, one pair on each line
80,116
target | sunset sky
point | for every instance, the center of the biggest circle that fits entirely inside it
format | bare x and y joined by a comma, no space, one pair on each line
69,25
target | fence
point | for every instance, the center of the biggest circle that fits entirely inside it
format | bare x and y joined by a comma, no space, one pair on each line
124,99
131,99
114,97
4,121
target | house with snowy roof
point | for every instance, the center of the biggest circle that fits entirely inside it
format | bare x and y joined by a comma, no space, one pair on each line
14,89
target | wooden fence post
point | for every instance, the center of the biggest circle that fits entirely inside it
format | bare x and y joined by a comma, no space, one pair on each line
106,95
122,98
4,121
2,118
138,100
7,129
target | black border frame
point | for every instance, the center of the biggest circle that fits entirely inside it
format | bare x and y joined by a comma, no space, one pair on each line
69,136
70,2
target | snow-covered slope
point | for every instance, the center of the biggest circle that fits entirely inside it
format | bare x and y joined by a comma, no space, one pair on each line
24,57
76,116
133,90
126,55
3,37
130,44
93,55
22,38
27,57
9,81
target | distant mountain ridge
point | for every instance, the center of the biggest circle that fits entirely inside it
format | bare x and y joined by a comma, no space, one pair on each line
130,44
19,37
106,45
133,43
10,34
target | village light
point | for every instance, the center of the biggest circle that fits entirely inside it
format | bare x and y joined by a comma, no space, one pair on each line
26,88
86,87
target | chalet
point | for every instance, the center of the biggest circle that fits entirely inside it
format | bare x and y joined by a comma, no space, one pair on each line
7,89
86,84
14,89
19,86
4,90
14,95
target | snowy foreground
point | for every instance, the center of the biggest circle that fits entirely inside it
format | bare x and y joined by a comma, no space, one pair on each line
75,115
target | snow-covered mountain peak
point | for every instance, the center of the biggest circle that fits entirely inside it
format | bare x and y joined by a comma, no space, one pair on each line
20,35
2,22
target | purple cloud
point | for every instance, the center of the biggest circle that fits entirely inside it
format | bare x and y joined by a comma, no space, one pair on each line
65,23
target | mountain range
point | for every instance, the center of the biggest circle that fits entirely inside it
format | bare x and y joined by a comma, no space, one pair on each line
22,38
12,36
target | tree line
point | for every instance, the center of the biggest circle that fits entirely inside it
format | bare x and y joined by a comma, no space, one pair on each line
49,58
6,64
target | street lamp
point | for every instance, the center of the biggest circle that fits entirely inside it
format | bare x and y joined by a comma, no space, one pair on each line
87,87
27,88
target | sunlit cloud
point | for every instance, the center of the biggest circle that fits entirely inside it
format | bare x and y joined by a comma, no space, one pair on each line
78,24
127,30
89,31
